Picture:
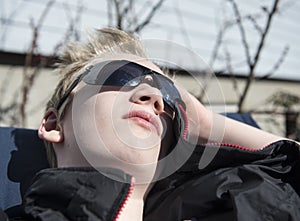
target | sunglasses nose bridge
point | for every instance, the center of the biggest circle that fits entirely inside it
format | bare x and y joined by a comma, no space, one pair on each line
148,79
151,80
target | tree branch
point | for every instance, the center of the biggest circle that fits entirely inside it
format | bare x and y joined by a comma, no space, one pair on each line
28,78
119,17
278,63
146,21
255,24
229,67
253,64
242,31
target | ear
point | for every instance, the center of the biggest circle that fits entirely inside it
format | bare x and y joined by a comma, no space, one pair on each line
50,129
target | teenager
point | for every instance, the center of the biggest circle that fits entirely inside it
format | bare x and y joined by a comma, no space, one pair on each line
126,143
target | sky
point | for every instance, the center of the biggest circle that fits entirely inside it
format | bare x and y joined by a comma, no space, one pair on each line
192,24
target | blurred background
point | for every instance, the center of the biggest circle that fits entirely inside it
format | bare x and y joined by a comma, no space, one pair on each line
250,48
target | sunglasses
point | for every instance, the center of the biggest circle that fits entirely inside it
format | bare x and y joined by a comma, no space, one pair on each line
124,74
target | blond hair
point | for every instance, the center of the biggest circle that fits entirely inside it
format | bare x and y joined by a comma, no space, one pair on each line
76,55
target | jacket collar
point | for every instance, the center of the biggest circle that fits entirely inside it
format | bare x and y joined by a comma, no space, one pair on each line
76,194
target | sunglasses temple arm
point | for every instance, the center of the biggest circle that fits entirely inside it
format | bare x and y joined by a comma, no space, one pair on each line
67,93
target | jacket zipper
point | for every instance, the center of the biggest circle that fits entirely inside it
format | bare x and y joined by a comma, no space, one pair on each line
236,146
128,194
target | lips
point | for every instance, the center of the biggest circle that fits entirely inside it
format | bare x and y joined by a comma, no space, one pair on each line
145,120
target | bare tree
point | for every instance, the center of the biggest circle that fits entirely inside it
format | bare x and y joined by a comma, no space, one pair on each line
251,59
15,112
29,76
127,17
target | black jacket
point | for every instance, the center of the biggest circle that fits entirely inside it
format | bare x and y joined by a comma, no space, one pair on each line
238,184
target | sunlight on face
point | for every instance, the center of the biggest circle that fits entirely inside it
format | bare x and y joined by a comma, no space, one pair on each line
120,128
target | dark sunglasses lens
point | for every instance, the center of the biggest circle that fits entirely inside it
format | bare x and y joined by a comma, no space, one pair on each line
115,74
168,90
124,73
125,76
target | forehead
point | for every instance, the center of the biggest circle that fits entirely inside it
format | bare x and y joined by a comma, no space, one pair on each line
129,57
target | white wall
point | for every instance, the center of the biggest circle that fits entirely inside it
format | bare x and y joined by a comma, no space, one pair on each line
10,88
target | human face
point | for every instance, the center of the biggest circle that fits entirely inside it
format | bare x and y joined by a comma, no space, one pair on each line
119,126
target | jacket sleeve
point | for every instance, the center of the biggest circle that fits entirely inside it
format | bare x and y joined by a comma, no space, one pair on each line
237,184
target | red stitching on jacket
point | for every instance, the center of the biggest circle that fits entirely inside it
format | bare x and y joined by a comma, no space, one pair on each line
130,190
185,131
236,146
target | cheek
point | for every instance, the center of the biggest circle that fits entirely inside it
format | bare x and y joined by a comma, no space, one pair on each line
109,109
104,106
105,115
110,103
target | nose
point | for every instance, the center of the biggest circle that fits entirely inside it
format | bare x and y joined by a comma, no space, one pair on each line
146,94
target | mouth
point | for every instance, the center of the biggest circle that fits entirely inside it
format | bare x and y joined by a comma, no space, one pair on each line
145,120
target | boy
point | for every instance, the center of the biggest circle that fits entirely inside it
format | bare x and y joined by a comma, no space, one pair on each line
126,144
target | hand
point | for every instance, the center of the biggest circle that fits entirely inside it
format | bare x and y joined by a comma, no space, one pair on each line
199,117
